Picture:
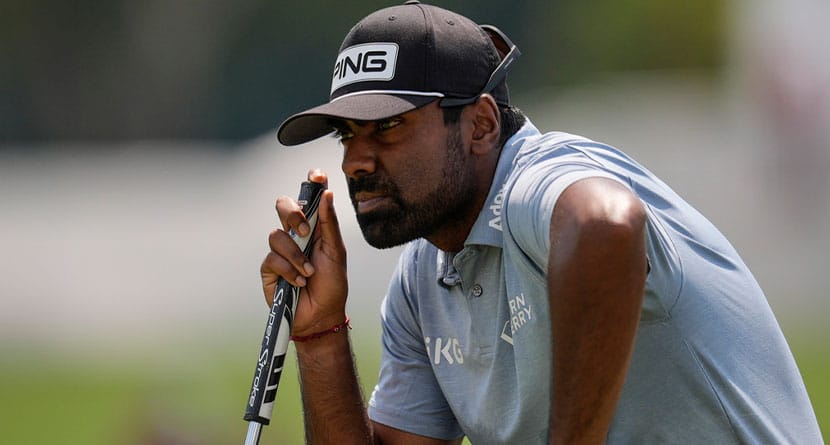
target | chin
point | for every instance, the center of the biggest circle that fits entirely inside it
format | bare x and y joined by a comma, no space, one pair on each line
381,239
385,234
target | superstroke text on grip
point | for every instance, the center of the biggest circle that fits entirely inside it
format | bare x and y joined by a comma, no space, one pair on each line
271,358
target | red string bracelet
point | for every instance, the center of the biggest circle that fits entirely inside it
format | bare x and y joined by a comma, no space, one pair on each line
333,330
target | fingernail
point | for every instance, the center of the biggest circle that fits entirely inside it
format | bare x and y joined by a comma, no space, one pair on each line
304,229
300,281
309,269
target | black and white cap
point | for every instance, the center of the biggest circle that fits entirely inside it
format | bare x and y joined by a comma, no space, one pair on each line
403,57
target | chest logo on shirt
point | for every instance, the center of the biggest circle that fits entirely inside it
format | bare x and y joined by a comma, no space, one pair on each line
495,208
444,350
520,314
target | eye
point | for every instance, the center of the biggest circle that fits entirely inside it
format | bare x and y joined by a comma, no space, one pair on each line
343,134
388,123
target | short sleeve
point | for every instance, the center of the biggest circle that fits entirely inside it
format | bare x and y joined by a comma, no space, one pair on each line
532,197
407,396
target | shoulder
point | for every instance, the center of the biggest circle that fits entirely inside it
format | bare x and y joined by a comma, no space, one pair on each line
548,165
536,147
545,166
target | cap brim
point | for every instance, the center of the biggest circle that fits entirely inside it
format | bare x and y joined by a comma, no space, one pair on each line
316,122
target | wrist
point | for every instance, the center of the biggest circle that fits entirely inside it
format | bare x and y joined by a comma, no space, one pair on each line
335,329
317,321
324,350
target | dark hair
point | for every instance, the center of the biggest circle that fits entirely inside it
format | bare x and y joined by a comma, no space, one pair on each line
511,120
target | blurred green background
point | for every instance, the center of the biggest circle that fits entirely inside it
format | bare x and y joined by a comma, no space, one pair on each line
138,171
215,69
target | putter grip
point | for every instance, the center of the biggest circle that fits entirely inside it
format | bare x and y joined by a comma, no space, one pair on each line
278,327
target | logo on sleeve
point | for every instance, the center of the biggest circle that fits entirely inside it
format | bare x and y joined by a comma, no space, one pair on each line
361,63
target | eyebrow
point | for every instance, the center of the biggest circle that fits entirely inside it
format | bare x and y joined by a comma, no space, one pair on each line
342,124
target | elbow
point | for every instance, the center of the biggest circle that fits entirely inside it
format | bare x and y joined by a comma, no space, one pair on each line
599,222
616,216
622,216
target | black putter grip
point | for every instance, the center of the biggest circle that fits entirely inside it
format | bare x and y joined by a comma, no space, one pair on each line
278,327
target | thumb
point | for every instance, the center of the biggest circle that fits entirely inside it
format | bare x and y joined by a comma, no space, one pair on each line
328,226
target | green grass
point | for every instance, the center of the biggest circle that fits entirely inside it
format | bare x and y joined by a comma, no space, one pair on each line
132,403
200,399
168,399
813,358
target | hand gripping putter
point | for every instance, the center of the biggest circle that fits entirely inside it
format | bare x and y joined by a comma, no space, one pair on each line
271,357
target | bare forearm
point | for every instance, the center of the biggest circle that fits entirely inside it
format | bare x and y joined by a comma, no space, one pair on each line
594,348
596,275
332,400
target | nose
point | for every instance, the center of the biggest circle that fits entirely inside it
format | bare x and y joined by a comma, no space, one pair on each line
359,157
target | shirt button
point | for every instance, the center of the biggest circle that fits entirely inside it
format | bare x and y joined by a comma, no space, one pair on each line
476,291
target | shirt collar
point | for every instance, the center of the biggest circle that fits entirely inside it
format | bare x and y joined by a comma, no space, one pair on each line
487,229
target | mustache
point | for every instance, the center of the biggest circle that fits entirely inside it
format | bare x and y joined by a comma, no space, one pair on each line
370,184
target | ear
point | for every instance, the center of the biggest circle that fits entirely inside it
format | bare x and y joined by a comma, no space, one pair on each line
484,118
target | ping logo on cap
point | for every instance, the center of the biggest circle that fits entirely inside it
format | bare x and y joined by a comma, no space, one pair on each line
368,61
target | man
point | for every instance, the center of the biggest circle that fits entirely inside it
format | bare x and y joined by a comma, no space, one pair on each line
552,290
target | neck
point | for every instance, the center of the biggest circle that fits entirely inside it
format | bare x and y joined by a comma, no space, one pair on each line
451,236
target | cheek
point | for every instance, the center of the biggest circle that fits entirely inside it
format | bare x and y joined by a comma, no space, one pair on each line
421,174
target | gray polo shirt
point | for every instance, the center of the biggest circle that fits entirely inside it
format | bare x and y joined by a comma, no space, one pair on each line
466,336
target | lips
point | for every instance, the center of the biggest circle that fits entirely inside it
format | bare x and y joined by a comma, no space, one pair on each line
367,202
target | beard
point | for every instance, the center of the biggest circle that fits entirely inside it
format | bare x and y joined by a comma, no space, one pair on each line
406,220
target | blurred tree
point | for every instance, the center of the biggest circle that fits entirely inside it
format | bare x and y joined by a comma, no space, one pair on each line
220,69
599,36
